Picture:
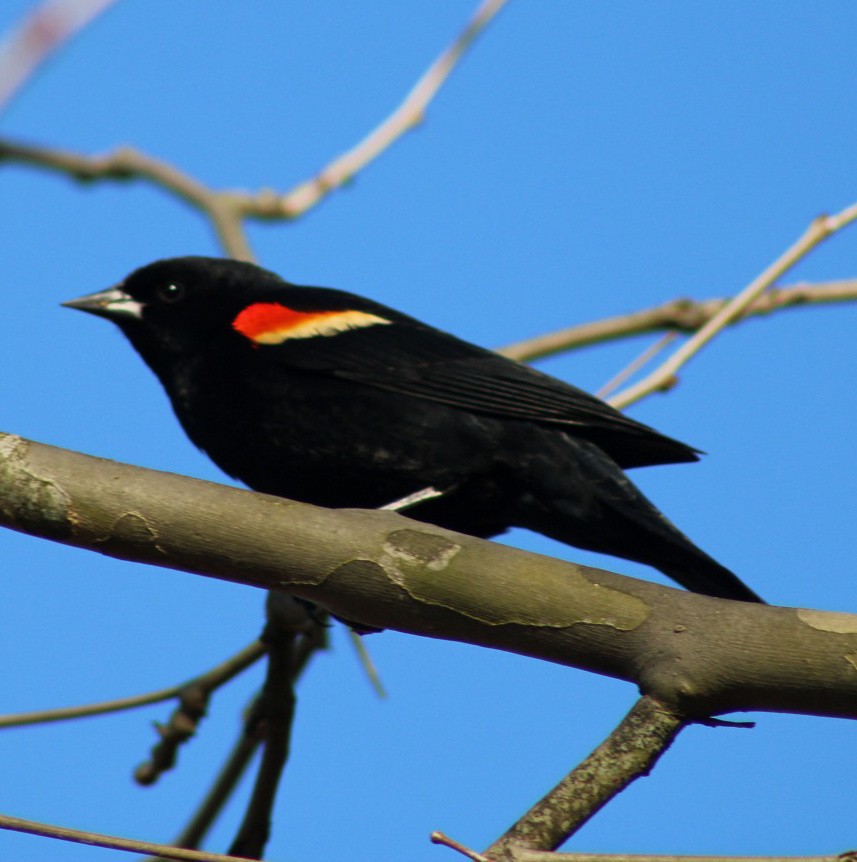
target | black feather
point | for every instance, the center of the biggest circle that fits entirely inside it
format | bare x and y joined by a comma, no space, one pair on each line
365,416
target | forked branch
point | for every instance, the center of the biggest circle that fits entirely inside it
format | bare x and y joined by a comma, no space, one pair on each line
677,315
664,376
629,753
228,209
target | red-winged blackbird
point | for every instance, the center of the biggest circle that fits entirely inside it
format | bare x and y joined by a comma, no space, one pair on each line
332,399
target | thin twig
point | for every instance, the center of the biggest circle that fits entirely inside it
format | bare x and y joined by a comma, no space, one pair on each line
664,376
636,364
127,163
679,315
210,680
234,767
39,34
407,115
444,840
183,723
627,754
227,209
112,842
242,752
546,856
366,663
272,722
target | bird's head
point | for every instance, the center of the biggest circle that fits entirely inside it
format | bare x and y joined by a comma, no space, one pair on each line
190,304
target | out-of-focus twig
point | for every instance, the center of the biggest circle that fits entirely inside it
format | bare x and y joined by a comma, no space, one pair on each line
636,364
193,702
407,115
228,209
234,766
40,33
664,376
366,663
210,680
272,722
236,762
97,839
126,163
679,315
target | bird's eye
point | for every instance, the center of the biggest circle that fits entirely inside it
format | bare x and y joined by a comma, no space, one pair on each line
171,293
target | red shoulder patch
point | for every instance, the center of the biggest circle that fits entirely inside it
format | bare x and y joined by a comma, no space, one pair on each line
274,323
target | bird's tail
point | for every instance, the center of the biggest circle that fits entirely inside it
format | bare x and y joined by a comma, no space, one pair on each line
694,569
657,543
603,511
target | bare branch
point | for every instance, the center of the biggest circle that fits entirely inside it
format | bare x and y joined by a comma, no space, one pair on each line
547,856
193,700
97,839
630,752
210,680
663,377
272,721
126,163
240,756
679,315
38,36
383,570
227,209
221,790
409,114
637,364
440,838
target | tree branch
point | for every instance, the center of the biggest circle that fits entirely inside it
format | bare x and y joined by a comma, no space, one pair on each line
38,36
525,855
387,571
97,839
227,209
221,790
630,752
224,209
205,684
664,376
679,315
547,856
407,116
272,720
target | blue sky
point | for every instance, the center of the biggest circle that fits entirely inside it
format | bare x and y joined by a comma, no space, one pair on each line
585,160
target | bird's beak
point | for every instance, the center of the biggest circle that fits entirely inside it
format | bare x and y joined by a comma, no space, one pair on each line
112,303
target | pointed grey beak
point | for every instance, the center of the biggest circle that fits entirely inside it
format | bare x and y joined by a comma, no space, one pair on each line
112,303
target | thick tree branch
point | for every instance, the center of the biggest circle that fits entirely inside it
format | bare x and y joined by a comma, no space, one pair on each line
630,752
386,571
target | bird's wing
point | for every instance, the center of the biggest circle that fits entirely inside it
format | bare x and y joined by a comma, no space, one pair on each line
387,350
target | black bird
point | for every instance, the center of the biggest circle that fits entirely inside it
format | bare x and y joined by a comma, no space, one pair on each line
328,398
